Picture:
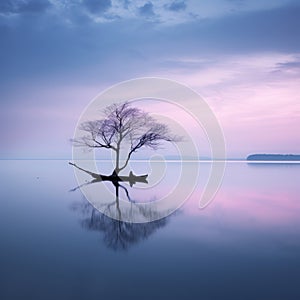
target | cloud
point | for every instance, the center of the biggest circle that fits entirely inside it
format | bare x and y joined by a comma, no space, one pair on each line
289,66
177,6
126,3
166,12
27,6
147,10
96,7
59,46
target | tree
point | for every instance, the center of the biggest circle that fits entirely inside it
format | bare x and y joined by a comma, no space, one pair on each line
124,128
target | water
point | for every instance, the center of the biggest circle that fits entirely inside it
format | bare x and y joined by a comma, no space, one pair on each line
244,245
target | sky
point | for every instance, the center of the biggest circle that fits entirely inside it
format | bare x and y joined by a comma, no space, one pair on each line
243,57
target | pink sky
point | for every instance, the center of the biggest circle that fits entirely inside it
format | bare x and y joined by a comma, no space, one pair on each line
255,98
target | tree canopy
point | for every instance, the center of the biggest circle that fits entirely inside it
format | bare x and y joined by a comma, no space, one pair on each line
122,124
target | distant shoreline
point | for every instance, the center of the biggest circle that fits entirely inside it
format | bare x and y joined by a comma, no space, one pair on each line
273,157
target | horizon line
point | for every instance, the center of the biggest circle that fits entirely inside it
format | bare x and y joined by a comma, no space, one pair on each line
231,160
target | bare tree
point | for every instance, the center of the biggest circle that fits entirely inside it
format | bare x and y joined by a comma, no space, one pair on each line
124,125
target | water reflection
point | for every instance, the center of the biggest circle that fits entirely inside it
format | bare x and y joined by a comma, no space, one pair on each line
118,234
278,164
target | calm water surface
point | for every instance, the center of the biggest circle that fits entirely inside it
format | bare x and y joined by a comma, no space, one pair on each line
244,245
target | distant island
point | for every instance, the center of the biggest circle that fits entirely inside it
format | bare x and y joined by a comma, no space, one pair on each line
273,157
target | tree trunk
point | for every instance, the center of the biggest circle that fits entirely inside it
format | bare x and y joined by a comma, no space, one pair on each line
117,167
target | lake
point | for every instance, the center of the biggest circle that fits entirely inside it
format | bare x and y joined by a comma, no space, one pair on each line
244,245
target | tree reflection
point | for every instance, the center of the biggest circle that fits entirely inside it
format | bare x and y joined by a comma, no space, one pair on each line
117,234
